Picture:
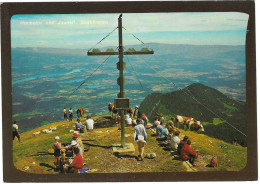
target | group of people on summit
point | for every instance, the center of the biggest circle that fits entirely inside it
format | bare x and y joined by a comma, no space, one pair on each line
74,151
169,135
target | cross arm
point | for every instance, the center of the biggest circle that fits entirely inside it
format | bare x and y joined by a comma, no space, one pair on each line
117,53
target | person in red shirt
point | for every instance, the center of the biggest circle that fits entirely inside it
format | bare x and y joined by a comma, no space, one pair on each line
77,163
180,145
187,153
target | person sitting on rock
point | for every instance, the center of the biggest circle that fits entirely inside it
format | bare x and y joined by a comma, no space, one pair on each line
128,120
130,112
187,153
175,140
156,121
73,145
180,145
78,125
173,120
170,125
77,162
159,128
89,123
114,114
57,147
164,135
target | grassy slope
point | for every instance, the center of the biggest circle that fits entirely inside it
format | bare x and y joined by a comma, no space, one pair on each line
35,152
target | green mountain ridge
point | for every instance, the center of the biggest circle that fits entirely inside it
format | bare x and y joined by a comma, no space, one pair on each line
205,104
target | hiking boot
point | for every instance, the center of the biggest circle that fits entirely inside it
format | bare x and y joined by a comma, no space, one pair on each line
142,158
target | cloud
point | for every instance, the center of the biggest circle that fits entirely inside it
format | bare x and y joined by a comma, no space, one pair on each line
49,30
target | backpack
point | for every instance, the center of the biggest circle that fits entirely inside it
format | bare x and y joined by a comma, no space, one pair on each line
214,162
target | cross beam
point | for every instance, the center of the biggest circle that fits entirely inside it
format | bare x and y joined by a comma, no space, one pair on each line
121,66
117,53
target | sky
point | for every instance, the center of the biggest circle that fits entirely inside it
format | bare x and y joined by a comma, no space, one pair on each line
83,31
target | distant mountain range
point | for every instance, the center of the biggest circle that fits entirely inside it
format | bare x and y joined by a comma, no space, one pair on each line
161,49
202,103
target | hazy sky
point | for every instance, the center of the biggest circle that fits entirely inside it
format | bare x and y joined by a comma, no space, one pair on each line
85,30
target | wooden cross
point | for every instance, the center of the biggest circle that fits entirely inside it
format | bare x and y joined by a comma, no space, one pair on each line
120,66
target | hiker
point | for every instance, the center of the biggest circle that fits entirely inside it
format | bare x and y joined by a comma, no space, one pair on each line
57,147
77,163
75,137
128,120
175,140
130,112
159,116
145,119
164,135
159,128
73,145
173,120
65,114
137,112
70,114
169,125
156,121
140,137
78,125
89,123
114,114
180,145
16,132
187,153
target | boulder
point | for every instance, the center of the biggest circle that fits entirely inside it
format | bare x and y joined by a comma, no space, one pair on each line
48,132
36,133
53,128
45,130
71,131
150,155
